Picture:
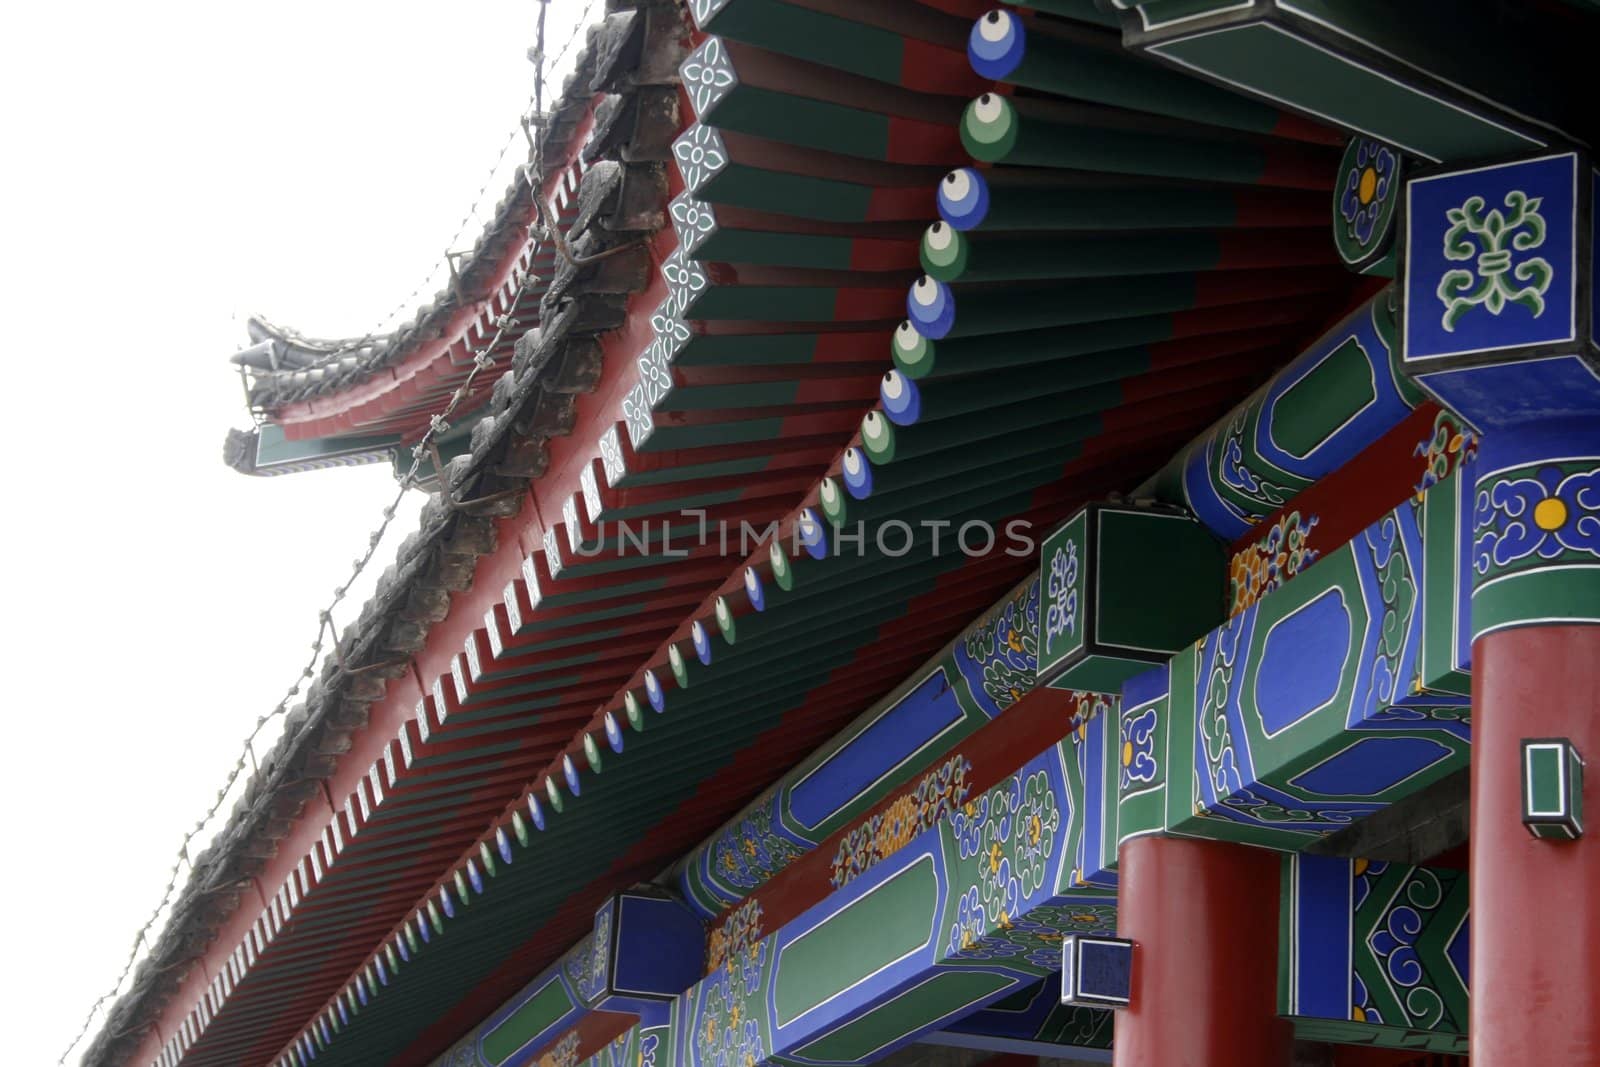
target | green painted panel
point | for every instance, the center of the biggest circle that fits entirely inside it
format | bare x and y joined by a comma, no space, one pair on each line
1146,558
1100,674
776,249
887,923
798,120
1313,409
1268,61
523,1025
1103,571
790,194
942,995
811,35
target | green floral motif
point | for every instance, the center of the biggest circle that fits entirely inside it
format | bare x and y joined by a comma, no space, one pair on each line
1474,235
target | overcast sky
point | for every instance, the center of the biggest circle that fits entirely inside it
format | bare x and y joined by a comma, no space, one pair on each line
170,169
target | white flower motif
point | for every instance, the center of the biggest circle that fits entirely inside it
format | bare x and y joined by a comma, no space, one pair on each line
707,75
700,154
636,413
681,272
611,456
705,10
693,220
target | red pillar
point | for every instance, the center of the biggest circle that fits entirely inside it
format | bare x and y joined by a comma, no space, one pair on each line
1535,904
1203,916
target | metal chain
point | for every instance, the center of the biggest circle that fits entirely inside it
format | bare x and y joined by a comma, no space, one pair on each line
483,360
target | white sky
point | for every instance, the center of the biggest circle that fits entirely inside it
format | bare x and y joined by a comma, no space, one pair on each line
170,168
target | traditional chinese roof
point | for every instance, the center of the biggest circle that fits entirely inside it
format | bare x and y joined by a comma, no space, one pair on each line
222,906
517,648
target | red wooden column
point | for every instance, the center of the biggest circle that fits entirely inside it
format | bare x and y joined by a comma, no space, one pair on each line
1535,971
1203,916
1535,904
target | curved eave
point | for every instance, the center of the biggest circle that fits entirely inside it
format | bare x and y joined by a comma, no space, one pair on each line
739,370
722,384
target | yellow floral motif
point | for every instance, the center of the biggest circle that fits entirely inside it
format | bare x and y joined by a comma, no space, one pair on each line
1550,513
734,936
1444,450
1271,559
1083,707
564,1053
882,834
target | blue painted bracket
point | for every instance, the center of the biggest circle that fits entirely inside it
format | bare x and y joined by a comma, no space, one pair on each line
1499,290
645,948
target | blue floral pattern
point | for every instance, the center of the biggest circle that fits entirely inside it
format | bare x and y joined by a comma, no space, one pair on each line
1139,748
586,964
1367,195
1011,832
999,659
1546,512
728,1030
752,851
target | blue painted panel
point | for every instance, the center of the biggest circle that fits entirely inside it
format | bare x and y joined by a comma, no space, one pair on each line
1322,901
1217,515
1364,425
1491,258
1459,951
1143,688
1102,971
894,737
1371,766
1302,661
660,947
1518,392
